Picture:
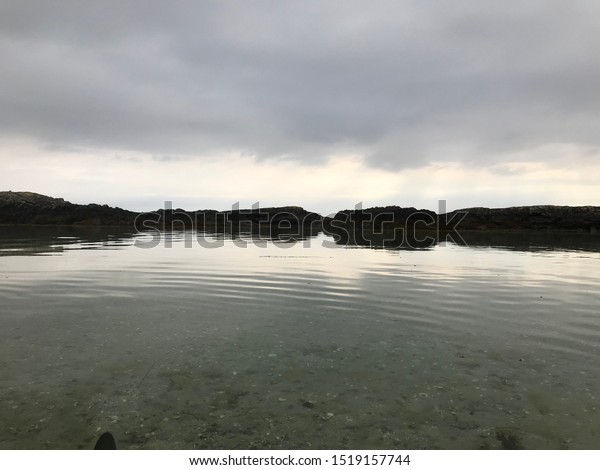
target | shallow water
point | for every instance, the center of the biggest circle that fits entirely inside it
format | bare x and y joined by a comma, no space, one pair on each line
297,345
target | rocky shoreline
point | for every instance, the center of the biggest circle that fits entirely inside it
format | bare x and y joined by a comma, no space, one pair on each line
27,208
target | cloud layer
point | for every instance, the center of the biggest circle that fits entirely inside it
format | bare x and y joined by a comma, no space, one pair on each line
402,83
322,104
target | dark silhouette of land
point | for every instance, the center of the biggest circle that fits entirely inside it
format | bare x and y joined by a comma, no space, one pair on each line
27,208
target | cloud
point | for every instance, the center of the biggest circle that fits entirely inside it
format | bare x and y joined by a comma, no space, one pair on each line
401,83
138,181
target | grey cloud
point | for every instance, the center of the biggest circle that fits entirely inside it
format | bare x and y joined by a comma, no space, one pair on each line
393,80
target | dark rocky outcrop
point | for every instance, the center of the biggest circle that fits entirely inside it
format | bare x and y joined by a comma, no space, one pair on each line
581,218
379,226
253,220
32,208
36,209
382,218
379,219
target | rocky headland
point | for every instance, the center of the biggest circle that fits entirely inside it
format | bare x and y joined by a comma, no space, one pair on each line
579,218
27,208
36,209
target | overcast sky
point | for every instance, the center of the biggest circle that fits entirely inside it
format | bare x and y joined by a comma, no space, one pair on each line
322,104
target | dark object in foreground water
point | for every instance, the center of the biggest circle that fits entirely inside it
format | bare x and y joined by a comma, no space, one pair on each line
508,439
106,442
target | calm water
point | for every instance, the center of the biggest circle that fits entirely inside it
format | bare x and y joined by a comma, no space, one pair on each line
298,345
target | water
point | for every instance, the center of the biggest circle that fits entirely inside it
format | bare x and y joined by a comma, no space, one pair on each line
298,345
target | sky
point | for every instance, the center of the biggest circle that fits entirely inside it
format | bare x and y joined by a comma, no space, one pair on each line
323,104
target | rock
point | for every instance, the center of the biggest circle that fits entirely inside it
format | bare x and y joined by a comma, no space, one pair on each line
359,227
32,208
583,218
509,439
36,209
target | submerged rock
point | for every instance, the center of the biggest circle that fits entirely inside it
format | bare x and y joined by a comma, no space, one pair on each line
509,439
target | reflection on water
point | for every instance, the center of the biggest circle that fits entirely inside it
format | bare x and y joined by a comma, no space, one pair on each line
293,341
39,240
32,240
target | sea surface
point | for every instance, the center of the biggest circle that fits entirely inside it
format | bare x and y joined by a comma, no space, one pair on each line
197,340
